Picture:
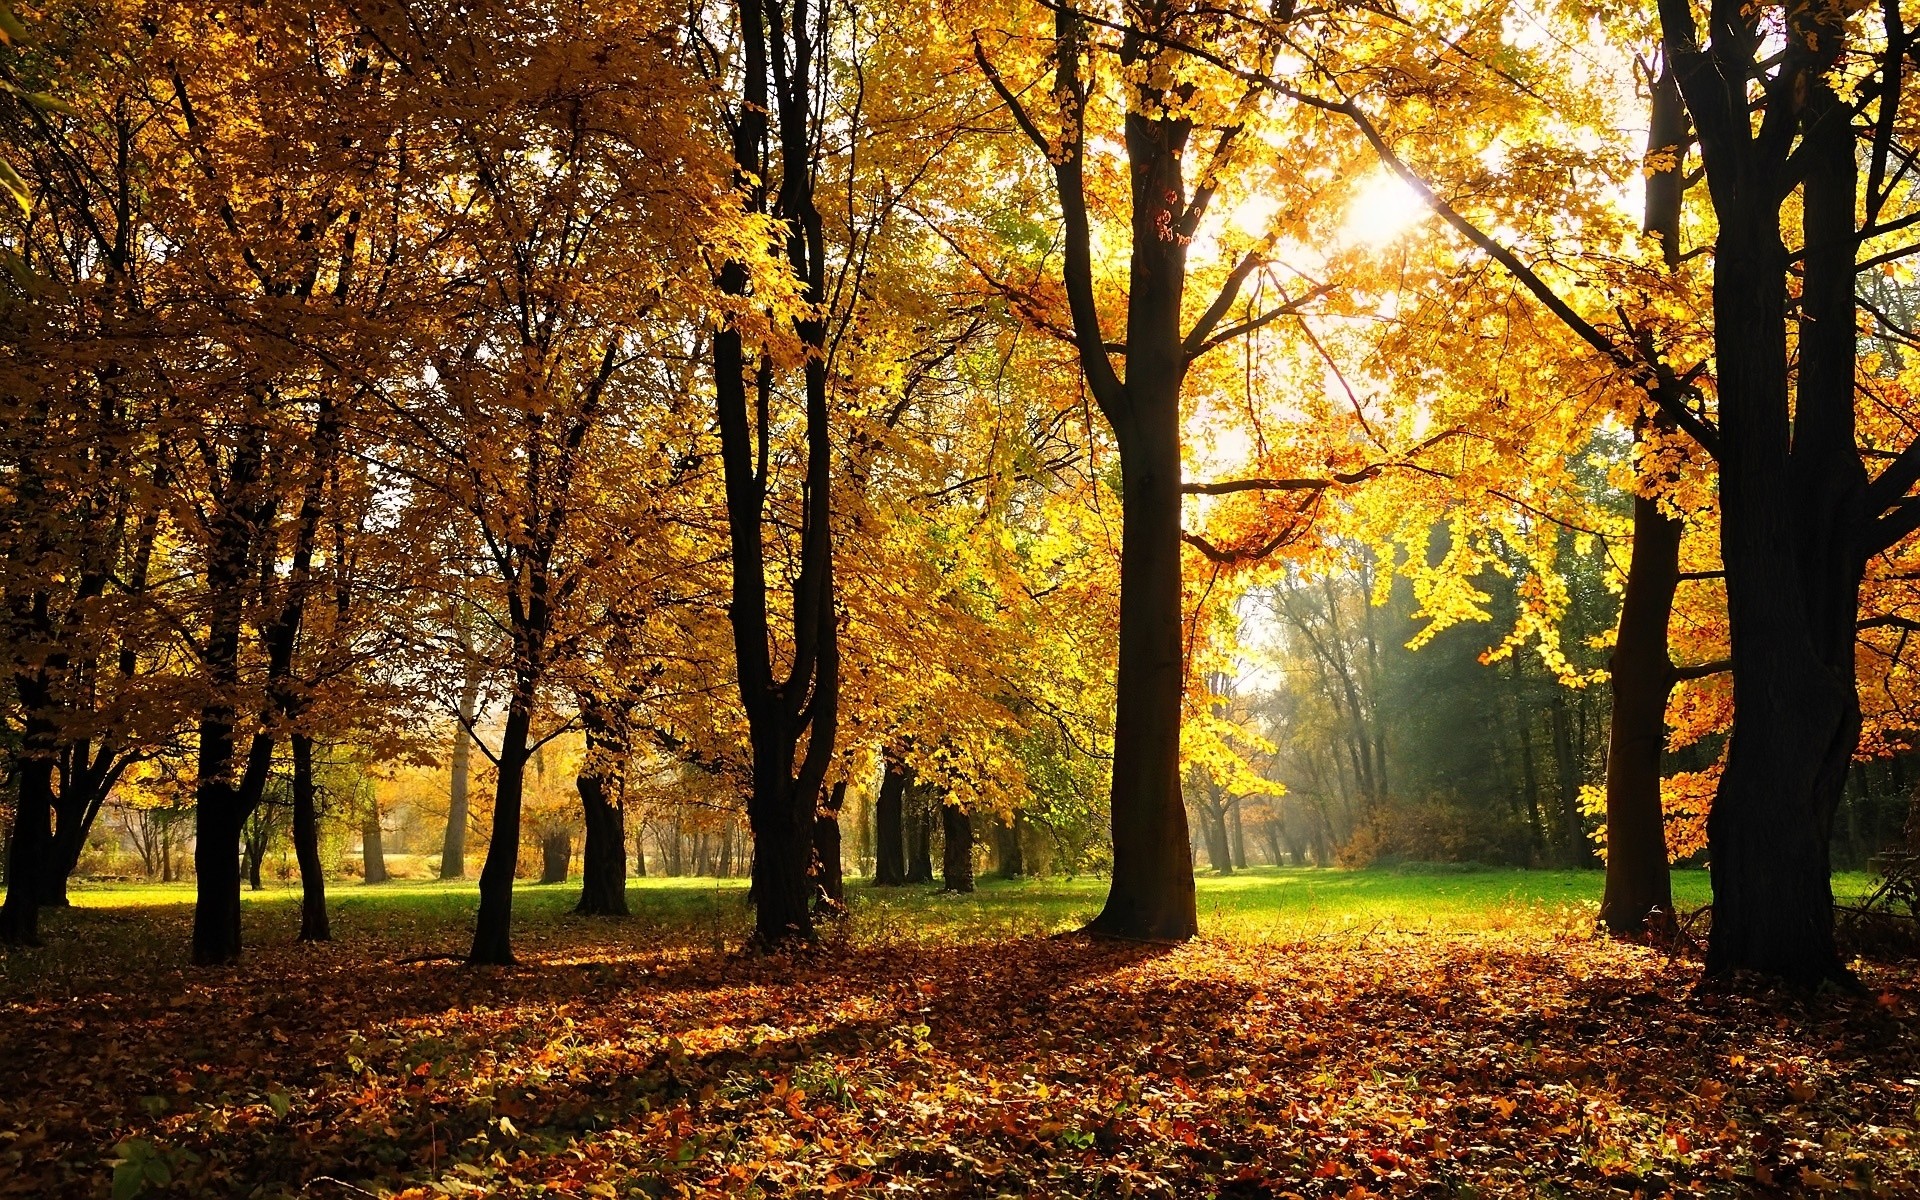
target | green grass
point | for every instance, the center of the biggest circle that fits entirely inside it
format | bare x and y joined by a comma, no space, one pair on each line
1259,903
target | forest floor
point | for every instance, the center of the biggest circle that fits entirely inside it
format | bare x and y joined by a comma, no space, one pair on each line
1333,1034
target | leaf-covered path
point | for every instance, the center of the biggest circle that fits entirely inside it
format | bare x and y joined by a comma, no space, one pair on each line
1513,1064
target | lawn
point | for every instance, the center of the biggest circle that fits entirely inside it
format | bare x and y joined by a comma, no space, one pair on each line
1421,1032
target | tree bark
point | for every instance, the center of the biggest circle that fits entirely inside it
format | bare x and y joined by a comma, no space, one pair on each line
890,851
1151,892
1012,863
32,835
492,929
306,845
801,709
1795,521
556,856
373,853
603,859
453,849
829,874
919,836
956,860
1639,889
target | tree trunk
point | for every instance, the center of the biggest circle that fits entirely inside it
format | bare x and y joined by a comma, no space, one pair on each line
1238,834
603,859
373,853
919,836
829,874
27,851
556,856
1007,848
306,845
1797,518
890,852
253,845
956,862
453,850
1639,889
492,930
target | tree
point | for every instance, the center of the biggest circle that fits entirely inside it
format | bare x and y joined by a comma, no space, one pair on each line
791,698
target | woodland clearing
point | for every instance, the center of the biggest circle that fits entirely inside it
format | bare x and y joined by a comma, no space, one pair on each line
1392,1033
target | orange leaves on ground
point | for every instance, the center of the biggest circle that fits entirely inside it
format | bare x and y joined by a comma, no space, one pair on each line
1390,1066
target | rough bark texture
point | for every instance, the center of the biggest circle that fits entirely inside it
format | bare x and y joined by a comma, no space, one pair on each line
956,859
306,845
890,832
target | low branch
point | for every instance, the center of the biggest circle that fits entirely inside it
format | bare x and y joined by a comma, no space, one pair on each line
1702,670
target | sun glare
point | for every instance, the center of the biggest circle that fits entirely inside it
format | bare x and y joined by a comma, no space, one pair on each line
1381,210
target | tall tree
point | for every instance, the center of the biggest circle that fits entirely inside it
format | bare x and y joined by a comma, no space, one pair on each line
789,684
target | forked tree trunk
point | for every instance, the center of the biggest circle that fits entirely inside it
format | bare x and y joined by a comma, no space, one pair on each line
1151,893
776,78
306,845
956,860
889,813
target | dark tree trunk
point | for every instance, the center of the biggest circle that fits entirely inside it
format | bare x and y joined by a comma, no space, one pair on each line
603,859
1151,892
1639,889
956,860
802,708
1007,848
890,851
919,836
830,881
493,928
254,850
28,849
556,856
453,849
306,845
1796,525
1238,834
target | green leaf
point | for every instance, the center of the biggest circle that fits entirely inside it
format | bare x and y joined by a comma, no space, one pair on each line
10,179
11,30
280,1103
41,100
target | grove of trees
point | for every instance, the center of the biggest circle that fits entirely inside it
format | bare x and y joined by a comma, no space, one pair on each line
785,435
